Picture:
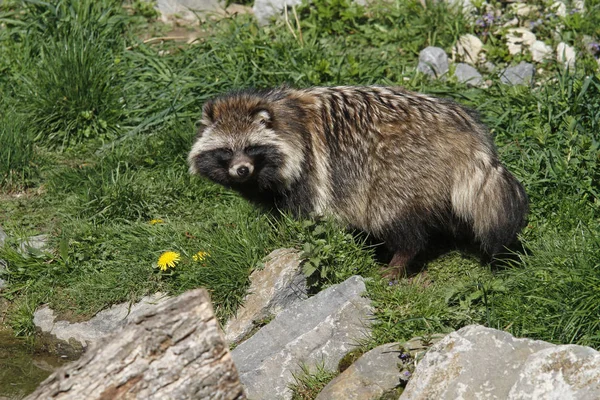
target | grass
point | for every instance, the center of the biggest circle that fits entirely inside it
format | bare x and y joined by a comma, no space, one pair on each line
96,127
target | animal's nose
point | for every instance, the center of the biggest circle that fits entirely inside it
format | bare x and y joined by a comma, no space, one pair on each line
243,171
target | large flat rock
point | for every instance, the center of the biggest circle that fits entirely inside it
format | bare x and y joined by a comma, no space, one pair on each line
476,362
321,329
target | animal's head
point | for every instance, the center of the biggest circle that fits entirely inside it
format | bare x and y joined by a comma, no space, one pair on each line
247,141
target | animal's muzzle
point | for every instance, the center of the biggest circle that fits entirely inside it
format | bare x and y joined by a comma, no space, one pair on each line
241,168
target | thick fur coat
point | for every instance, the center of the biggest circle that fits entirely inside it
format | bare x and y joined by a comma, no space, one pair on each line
396,164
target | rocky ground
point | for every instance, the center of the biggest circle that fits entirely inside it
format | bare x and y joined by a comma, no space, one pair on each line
280,331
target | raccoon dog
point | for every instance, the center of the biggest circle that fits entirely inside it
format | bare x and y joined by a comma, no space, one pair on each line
398,165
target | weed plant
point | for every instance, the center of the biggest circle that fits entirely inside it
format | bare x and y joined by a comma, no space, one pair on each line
114,119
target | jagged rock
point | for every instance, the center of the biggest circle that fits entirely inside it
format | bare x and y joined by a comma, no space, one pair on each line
369,377
76,336
467,74
517,39
322,328
264,10
478,362
272,289
174,350
518,75
467,49
433,61
540,51
565,55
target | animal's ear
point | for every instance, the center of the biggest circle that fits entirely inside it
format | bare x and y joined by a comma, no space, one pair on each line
263,116
208,113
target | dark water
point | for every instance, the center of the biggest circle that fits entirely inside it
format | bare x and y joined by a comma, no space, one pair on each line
21,370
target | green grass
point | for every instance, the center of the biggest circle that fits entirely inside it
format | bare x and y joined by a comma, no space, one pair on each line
96,127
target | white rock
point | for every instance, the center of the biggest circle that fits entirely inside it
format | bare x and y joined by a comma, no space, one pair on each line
467,49
559,8
540,51
565,55
579,5
522,9
517,39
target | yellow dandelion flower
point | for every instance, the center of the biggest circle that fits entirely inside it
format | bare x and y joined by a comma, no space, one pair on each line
168,259
200,256
156,221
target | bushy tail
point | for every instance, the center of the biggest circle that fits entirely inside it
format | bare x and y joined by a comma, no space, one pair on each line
495,203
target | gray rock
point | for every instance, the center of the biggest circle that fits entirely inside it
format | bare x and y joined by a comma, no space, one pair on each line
433,61
373,374
35,243
264,10
103,323
186,9
467,74
3,236
477,362
2,262
321,329
272,289
518,75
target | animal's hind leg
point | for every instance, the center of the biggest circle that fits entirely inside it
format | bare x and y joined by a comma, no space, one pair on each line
405,237
398,266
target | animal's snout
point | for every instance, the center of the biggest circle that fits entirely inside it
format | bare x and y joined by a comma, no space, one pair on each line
243,171
241,168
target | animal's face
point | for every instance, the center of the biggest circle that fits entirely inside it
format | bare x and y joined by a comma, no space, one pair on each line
239,146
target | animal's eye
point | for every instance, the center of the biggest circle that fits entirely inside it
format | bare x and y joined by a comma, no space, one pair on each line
223,154
254,150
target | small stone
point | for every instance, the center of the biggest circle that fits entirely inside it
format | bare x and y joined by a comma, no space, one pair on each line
523,10
264,10
433,61
565,55
185,10
320,329
272,289
465,73
559,8
467,49
517,39
35,243
368,378
540,51
3,237
518,75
